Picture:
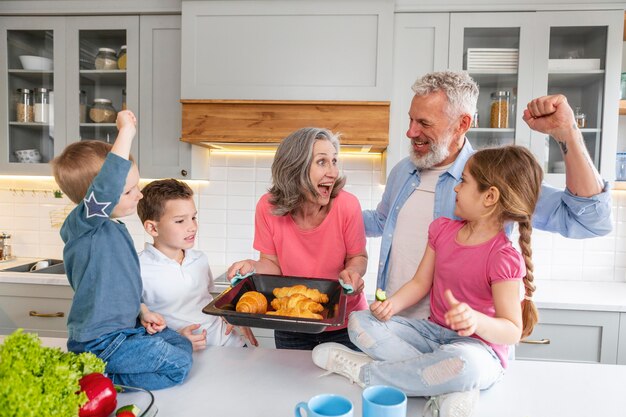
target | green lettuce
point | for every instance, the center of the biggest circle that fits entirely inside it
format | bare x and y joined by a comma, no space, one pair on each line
38,381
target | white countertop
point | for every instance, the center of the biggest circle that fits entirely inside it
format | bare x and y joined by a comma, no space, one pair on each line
258,382
581,295
568,295
27,277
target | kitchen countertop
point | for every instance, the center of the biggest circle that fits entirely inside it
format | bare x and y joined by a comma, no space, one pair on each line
569,295
28,277
258,382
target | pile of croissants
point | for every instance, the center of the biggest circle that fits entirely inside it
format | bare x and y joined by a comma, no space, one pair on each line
296,301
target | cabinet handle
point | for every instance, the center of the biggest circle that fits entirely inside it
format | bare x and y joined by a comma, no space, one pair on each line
183,172
33,313
536,342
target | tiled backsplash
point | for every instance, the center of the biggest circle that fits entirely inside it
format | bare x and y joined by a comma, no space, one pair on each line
226,215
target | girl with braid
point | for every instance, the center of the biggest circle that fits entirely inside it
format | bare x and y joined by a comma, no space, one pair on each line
474,274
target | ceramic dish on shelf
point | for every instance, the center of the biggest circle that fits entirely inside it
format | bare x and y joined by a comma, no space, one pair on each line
140,397
28,156
36,63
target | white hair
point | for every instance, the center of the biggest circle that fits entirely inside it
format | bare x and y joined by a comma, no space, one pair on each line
460,89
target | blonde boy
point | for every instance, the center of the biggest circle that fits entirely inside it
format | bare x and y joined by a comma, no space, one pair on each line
176,278
103,268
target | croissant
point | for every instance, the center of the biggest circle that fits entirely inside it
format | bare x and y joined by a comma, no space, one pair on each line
298,301
295,312
312,293
252,302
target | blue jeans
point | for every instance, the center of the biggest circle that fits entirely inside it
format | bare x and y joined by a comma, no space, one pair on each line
307,341
137,359
420,357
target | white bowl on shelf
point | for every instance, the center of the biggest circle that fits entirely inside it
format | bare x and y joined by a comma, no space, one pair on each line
36,63
28,156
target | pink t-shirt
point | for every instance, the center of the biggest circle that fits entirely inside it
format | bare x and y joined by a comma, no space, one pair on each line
469,272
315,253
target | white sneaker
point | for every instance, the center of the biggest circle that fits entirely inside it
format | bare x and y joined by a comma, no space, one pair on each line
454,404
338,359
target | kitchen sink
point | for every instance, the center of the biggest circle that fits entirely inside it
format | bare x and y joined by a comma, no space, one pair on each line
55,266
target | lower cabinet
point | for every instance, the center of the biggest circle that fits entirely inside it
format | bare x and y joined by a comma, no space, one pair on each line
574,336
621,347
265,337
37,308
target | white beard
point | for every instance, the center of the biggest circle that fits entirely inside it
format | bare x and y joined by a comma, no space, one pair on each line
437,154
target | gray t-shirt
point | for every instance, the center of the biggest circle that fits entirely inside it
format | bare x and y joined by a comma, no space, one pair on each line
411,237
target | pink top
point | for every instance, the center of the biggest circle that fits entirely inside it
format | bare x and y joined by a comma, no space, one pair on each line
469,272
314,253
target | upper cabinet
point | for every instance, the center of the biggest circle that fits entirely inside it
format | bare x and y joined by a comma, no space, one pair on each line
497,50
64,80
102,75
161,154
516,57
34,49
582,61
287,50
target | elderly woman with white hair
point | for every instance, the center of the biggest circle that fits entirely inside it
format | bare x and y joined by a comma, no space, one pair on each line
308,226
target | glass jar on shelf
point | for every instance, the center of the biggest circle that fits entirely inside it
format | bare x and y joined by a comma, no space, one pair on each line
474,120
82,106
24,112
105,59
121,58
500,110
42,105
102,111
581,118
620,167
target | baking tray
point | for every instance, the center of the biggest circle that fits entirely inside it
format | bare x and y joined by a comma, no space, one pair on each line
334,311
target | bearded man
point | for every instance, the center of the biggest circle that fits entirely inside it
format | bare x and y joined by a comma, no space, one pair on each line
420,188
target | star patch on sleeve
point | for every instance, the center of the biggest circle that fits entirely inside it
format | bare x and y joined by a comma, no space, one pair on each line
94,207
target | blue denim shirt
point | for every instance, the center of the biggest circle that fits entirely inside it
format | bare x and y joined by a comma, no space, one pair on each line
557,210
100,259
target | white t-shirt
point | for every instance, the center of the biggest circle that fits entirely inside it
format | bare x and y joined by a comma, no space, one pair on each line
411,237
180,292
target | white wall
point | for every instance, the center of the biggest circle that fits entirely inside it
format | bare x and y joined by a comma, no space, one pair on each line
226,215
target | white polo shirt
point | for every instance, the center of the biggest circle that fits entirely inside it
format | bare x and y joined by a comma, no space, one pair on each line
180,292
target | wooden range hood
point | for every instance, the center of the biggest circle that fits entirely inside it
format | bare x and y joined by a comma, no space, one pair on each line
262,124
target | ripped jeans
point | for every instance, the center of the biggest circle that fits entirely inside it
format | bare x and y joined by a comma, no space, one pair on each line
420,357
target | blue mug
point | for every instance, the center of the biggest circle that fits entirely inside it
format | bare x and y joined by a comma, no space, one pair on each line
383,401
326,405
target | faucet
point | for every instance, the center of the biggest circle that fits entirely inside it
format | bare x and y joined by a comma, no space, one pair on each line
5,248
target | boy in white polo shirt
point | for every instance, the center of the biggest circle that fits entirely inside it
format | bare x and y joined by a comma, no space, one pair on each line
176,278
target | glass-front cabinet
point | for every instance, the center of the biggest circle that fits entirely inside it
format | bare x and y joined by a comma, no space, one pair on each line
64,80
516,57
580,57
493,48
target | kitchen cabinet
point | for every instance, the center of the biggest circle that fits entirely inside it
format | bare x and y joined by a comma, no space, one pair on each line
420,46
621,348
530,54
161,155
574,336
37,308
265,337
286,50
74,81
72,43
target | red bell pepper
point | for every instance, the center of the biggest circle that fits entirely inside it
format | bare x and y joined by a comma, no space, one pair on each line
101,394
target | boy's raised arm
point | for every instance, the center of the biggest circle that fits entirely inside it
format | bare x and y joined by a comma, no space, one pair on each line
127,128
